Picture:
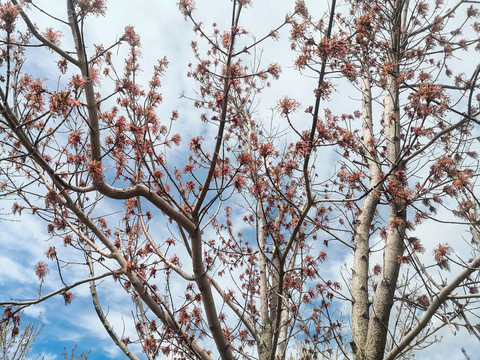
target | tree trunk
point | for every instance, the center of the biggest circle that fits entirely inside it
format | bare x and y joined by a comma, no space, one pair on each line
265,345
360,307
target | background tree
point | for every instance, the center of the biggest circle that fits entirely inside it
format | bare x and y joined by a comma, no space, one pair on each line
219,240
73,356
16,343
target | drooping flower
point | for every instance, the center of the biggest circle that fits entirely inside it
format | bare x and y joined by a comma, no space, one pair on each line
51,252
68,296
74,138
239,182
41,270
441,253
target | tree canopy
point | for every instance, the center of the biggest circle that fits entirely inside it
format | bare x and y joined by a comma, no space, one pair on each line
229,240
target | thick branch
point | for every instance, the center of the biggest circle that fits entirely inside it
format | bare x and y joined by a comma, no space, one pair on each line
205,289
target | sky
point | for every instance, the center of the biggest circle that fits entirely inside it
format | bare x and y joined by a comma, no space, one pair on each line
164,32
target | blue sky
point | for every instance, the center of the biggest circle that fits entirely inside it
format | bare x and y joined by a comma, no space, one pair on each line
164,32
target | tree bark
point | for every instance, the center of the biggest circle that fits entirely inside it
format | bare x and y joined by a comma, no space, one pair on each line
265,345
361,254
205,289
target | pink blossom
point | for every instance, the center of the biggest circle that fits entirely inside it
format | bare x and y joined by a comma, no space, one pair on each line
41,270
68,296
287,105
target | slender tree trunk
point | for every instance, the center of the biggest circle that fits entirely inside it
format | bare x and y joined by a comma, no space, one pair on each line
282,302
383,299
265,346
360,307
370,321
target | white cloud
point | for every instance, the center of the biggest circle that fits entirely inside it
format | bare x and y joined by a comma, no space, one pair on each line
37,312
11,271
112,351
44,356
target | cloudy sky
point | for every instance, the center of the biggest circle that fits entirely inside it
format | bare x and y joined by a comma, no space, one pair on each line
164,32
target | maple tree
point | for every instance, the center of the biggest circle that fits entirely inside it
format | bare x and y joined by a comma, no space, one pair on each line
243,223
